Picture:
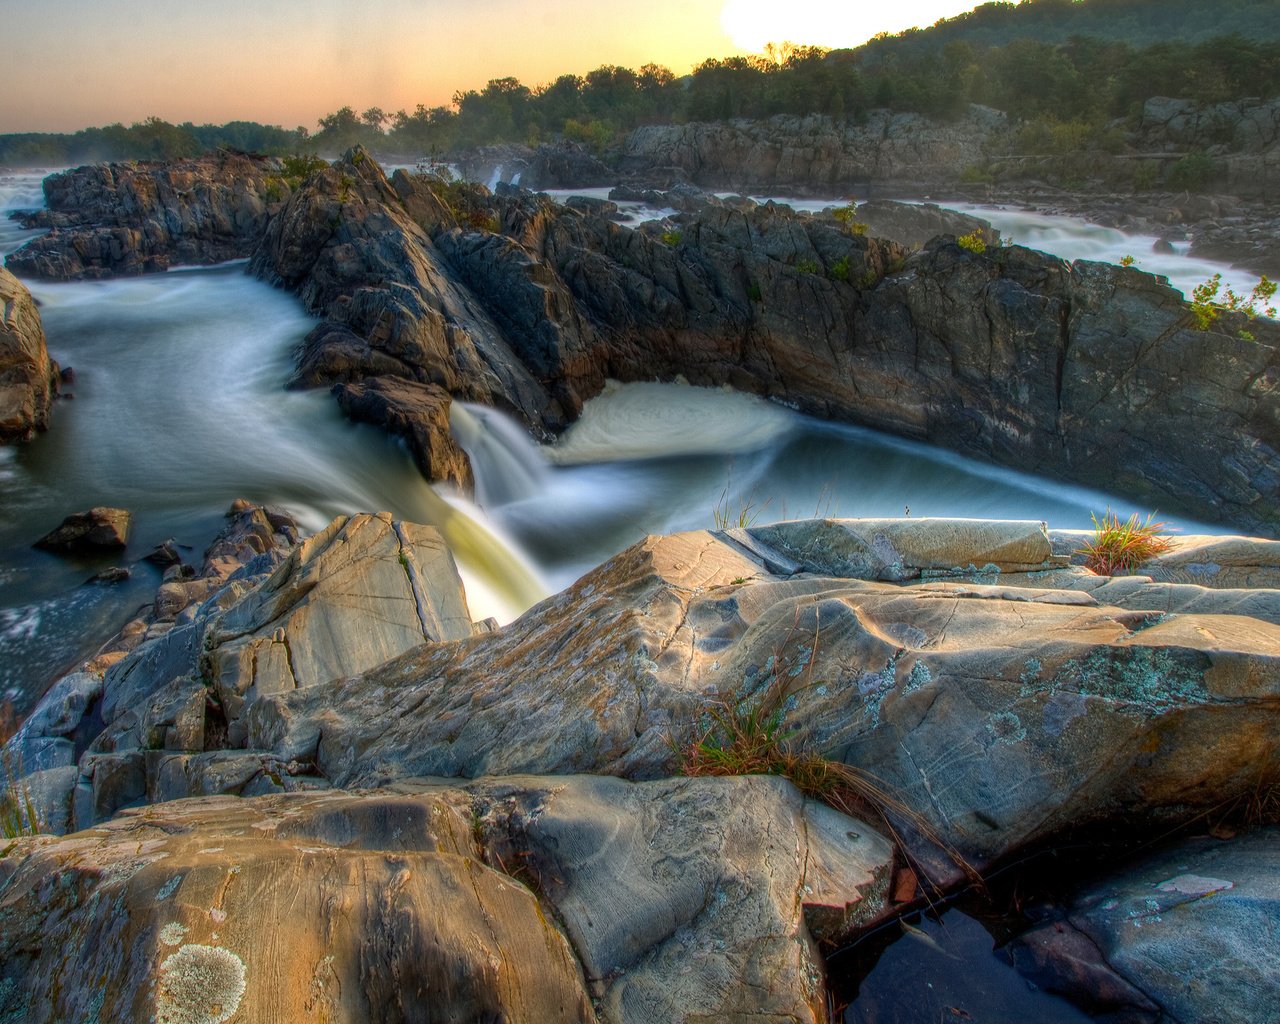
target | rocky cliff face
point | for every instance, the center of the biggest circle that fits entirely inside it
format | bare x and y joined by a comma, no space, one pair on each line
1081,371
28,379
136,218
814,153
1084,371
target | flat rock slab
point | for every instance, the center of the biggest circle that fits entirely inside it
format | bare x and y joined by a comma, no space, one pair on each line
1189,934
1003,715
684,900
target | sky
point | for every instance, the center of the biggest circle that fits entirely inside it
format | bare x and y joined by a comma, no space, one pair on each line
73,63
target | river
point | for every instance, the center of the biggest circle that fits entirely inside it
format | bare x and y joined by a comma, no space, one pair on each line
179,408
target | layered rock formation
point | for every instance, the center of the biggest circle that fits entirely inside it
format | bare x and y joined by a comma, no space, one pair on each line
630,904
28,379
990,696
1082,371
136,218
814,153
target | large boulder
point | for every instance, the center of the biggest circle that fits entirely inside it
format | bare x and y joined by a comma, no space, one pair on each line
417,412
28,380
1003,711
97,529
691,899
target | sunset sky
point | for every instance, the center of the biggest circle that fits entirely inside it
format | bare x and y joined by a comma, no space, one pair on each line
73,63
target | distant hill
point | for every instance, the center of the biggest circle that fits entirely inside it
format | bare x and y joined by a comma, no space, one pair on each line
1136,22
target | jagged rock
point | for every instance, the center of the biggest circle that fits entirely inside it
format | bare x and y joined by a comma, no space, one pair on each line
1005,714
28,379
1187,934
94,530
137,218
1086,372
420,414
349,243
723,881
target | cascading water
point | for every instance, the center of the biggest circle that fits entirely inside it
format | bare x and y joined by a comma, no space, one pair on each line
179,408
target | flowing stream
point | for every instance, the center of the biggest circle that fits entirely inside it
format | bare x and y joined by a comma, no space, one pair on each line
179,408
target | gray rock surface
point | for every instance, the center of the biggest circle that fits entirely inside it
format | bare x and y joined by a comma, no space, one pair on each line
1188,934
137,218
689,899
1003,713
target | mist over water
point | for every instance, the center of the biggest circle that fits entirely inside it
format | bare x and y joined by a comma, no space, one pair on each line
179,408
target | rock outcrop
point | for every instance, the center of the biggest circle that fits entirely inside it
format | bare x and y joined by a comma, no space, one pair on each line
988,686
1082,371
989,697
137,218
813,153
1085,371
28,379
527,900
1186,934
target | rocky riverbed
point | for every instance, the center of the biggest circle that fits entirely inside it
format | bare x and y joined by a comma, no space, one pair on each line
1131,705
1087,372
443,816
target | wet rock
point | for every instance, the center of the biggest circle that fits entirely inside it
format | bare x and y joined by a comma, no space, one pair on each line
116,574
165,553
97,529
1186,934
420,414
28,379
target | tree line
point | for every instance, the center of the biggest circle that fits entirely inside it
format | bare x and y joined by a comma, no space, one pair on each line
1086,82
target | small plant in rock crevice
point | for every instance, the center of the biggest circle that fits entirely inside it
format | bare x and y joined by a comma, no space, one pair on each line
747,733
1209,301
18,815
1120,547
972,242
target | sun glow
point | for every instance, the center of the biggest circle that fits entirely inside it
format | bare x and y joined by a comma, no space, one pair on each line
753,23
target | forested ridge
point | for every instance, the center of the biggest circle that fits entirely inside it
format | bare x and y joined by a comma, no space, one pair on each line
1064,68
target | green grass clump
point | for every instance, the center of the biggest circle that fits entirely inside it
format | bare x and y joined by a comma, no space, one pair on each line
672,238
1120,547
808,266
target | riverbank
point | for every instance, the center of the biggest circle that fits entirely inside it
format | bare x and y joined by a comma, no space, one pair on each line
884,645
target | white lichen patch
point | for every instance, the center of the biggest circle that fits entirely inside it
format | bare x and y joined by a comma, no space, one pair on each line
199,985
173,933
217,916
